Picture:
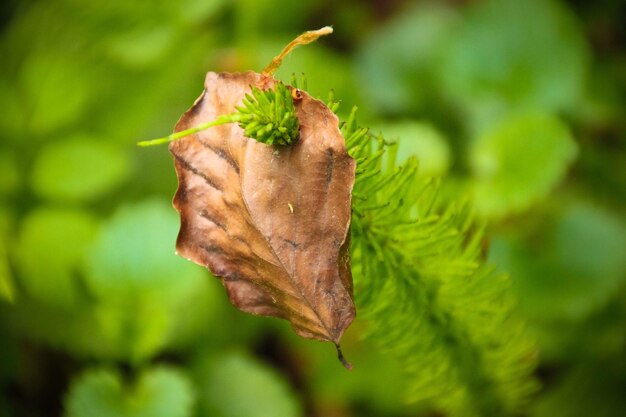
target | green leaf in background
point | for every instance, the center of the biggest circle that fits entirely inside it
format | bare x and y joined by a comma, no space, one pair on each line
196,11
78,169
142,47
134,253
235,385
517,53
12,117
421,140
157,392
601,335
123,322
518,162
7,220
590,389
373,381
7,288
47,78
396,61
136,327
254,19
49,253
133,270
129,330
9,174
591,242
77,331
573,270
7,291
50,104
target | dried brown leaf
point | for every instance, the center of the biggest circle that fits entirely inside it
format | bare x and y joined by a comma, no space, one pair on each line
271,222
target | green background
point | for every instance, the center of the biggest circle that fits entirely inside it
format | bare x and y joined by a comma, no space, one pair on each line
518,105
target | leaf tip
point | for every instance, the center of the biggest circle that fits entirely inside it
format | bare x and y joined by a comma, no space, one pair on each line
342,359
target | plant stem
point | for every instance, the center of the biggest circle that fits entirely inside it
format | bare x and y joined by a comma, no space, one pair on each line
303,39
227,118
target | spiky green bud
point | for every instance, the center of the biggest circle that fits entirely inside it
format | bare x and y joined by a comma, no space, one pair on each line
269,116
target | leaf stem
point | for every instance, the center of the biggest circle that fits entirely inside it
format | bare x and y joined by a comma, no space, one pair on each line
224,119
342,359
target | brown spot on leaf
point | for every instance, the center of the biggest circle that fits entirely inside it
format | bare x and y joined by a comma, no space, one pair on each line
296,94
330,164
232,196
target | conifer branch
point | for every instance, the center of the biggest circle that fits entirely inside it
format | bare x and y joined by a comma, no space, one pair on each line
422,285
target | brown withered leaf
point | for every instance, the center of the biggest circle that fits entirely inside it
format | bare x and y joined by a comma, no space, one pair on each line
271,222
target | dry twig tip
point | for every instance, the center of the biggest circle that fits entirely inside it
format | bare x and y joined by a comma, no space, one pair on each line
303,39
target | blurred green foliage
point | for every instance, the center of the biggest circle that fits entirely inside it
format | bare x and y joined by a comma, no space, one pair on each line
518,161
157,392
519,106
232,384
